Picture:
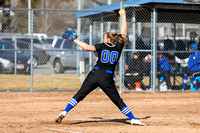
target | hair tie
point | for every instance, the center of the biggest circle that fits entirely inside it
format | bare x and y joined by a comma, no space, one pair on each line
116,42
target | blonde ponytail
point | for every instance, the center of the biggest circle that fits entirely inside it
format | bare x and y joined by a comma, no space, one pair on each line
115,37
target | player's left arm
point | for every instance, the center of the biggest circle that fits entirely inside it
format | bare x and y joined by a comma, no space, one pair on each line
84,45
122,13
71,34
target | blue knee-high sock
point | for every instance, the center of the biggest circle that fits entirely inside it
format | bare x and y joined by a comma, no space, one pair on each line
194,82
72,103
125,110
185,77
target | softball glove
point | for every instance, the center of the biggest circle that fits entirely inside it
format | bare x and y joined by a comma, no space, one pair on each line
69,34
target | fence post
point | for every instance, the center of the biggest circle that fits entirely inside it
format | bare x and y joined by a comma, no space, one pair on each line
31,31
120,60
134,27
154,67
102,28
78,48
15,61
91,40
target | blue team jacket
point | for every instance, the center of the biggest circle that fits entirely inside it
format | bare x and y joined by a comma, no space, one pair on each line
163,65
194,59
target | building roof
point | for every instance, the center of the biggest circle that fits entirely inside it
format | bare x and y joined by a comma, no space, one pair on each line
173,11
116,6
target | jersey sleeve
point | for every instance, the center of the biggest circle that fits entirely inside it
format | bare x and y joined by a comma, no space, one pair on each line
120,46
98,47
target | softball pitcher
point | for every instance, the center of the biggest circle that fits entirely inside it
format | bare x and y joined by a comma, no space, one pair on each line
102,74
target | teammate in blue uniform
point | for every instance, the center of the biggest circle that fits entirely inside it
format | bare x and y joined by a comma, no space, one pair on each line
102,74
163,70
193,66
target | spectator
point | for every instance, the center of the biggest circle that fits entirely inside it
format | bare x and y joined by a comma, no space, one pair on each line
141,45
163,70
193,66
170,47
193,35
181,46
134,72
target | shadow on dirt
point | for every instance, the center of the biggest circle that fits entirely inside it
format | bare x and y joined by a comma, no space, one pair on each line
100,119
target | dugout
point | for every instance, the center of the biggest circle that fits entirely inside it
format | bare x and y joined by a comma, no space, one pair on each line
182,17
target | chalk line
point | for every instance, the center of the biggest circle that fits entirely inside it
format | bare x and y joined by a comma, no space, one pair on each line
61,130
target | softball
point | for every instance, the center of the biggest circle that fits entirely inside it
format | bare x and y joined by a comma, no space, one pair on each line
121,11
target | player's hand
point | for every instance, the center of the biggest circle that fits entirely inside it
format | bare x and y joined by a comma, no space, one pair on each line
122,12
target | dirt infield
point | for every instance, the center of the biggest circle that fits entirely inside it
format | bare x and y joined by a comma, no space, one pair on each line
161,112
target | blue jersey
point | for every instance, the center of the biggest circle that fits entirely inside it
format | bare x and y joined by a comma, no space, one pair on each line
194,59
163,65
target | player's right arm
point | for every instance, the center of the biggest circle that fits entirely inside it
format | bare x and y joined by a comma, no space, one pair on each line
84,46
122,13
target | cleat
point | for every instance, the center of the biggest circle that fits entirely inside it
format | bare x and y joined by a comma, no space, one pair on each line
60,117
136,122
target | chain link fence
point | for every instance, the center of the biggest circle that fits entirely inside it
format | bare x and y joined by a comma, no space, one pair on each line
34,57
174,34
